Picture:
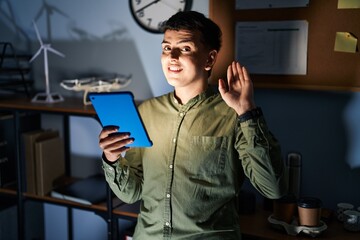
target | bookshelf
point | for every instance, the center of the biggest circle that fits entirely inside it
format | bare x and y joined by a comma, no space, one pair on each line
110,210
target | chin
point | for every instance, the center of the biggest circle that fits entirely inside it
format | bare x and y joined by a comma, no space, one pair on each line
173,84
173,81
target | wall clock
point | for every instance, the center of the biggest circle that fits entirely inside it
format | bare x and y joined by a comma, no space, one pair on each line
151,14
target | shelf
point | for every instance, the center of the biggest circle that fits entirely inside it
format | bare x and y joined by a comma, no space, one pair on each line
109,210
15,82
122,209
8,191
69,106
18,56
7,201
14,70
126,210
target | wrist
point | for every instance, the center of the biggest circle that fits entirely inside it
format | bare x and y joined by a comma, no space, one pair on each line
109,160
254,113
244,107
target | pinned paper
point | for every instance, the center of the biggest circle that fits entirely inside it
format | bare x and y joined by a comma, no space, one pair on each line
348,4
345,42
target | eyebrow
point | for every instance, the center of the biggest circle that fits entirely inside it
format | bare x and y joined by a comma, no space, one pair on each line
181,41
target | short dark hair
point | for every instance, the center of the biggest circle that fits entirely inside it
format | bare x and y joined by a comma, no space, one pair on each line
195,21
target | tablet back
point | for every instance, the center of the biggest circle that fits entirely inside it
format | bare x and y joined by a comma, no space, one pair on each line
119,109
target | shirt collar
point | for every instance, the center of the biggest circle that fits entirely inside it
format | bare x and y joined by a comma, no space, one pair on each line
197,99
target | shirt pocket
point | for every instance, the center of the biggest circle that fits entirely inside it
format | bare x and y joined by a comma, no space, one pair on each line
207,156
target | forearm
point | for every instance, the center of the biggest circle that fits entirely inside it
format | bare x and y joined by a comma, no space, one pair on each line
123,180
261,158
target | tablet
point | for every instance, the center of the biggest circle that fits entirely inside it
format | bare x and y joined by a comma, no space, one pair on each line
119,109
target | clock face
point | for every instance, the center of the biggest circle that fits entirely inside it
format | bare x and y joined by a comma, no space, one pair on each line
151,14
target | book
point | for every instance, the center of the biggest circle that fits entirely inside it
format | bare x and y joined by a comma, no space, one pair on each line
88,191
29,140
50,163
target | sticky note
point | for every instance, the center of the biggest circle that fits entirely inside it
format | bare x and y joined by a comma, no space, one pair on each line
348,4
345,42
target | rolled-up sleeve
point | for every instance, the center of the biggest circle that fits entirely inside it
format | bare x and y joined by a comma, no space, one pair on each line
261,158
124,180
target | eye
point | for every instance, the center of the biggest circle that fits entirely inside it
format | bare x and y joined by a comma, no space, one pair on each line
166,48
186,49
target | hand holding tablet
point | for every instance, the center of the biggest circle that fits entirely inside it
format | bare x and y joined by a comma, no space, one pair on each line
119,109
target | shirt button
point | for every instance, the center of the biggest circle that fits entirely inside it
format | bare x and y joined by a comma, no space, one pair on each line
167,224
174,140
171,166
168,195
111,169
181,114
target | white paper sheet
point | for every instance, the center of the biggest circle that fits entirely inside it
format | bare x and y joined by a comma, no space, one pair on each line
272,47
260,4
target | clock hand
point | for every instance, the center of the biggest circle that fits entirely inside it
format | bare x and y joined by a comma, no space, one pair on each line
156,1
169,5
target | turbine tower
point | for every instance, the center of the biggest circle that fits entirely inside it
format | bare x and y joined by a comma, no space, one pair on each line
46,97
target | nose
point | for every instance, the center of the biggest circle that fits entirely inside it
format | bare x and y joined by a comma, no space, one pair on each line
175,53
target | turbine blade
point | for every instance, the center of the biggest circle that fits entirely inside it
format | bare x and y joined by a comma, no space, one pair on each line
55,9
37,33
36,54
55,51
39,13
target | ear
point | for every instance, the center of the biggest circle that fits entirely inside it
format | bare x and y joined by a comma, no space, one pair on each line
211,60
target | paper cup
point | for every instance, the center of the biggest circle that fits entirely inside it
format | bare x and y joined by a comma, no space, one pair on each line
309,210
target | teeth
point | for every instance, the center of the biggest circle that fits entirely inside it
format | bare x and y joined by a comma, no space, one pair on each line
173,68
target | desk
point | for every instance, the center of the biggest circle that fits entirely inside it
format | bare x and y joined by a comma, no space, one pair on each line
256,226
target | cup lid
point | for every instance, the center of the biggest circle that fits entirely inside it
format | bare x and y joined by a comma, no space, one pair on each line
351,213
345,205
309,202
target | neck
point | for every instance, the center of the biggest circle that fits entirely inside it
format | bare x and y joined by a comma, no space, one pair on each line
183,95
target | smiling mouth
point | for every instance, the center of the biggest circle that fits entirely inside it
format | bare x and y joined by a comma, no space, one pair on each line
174,69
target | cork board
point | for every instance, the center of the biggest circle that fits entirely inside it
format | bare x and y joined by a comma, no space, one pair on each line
326,68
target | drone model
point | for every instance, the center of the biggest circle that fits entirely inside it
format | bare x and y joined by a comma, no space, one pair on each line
46,97
95,85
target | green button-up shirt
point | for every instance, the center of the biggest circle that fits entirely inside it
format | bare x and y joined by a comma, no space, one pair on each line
189,179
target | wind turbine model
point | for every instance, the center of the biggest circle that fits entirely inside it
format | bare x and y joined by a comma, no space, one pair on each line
46,97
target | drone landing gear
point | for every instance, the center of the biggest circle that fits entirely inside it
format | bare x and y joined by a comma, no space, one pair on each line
47,98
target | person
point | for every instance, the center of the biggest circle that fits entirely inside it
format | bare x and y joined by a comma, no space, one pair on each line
205,142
